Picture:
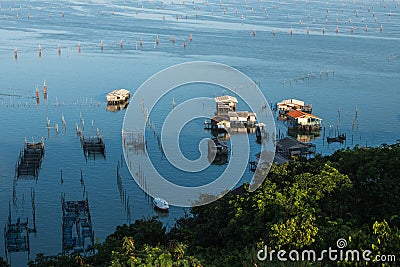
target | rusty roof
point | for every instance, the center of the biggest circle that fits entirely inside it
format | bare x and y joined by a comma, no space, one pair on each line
300,114
225,98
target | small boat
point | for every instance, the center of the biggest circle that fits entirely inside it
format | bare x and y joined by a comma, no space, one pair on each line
340,138
160,204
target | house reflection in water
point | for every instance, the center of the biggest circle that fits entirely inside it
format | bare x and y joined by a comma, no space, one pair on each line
217,151
304,137
117,107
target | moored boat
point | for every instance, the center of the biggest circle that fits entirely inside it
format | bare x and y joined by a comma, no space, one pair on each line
340,138
160,204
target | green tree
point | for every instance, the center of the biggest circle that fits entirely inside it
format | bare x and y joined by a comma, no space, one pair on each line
3,263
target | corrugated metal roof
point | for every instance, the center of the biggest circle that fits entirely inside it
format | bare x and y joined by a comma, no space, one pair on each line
289,142
291,102
225,98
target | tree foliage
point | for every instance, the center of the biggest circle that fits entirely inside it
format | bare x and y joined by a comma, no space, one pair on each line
3,263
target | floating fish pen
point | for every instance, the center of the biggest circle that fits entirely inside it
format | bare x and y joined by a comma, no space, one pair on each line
117,97
133,141
77,229
30,159
93,145
16,236
217,151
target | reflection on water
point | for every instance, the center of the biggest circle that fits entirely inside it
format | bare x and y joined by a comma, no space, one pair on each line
161,214
224,135
117,107
304,137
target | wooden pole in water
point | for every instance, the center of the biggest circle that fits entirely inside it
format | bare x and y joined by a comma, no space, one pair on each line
44,87
37,93
63,120
82,181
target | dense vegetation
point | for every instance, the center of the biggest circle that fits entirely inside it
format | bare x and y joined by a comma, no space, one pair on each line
304,204
3,263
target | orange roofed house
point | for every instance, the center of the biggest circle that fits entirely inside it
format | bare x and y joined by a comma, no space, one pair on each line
302,121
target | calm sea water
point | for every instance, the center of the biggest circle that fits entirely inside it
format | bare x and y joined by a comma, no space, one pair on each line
366,76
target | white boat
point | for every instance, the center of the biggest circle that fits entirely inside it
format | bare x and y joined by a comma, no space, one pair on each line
118,96
160,204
